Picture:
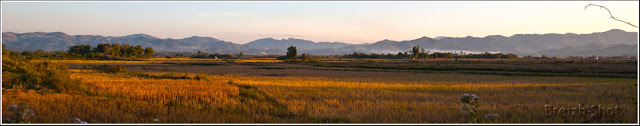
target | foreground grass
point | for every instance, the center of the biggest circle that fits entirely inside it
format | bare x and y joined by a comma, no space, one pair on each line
165,60
418,98
120,98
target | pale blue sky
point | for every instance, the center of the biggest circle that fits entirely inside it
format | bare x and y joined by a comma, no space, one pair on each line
352,22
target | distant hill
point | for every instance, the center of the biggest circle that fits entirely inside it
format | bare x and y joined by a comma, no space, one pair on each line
598,49
54,41
532,44
610,42
393,47
521,44
300,44
197,39
133,36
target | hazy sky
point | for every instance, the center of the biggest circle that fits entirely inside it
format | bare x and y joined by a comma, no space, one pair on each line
351,22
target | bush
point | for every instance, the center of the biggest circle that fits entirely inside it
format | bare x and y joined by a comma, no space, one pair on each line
20,73
175,76
110,69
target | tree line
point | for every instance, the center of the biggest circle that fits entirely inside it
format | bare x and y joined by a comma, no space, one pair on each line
126,51
201,54
116,50
419,53
101,51
292,56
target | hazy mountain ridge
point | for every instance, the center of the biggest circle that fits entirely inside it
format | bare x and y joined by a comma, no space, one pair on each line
598,49
132,36
301,44
561,45
521,44
532,44
60,41
393,47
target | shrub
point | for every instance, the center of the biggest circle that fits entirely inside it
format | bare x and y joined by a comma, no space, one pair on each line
20,73
110,69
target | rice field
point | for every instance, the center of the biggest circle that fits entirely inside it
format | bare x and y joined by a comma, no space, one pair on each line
266,93
165,60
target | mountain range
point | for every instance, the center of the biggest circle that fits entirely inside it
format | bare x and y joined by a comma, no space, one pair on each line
609,43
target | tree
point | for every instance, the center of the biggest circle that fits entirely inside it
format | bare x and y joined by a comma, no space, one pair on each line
138,51
115,49
226,56
305,57
399,55
511,56
292,52
498,56
148,51
86,49
426,54
435,55
104,48
127,50
80,49
200,54
240,55
415,51
545,57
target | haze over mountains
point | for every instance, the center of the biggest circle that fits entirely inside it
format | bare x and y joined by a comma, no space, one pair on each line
610,43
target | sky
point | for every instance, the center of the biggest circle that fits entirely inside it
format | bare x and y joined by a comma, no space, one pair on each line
349,22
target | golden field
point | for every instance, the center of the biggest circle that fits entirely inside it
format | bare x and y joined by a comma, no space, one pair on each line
163,60
304,95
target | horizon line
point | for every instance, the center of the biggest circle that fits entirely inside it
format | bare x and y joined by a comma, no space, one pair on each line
320,41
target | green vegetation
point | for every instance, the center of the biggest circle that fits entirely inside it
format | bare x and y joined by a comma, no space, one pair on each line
106,50
334,91
292,53
110,69
102,51
216,55
292,56
419,53
331,90
21,73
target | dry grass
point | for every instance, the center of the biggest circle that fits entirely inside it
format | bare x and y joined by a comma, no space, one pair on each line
120,98
329,96
164,60
409,101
